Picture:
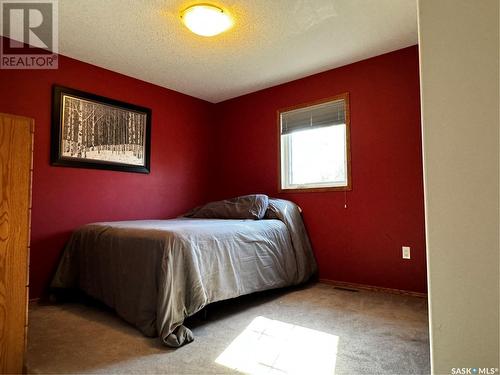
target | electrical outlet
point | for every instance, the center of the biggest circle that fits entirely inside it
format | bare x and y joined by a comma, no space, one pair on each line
406,252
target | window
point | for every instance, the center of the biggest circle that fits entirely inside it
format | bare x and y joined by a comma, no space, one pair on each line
314,146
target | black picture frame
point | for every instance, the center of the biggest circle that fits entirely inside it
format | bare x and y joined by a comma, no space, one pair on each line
116,121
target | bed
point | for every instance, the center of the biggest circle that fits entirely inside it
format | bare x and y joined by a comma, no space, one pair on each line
156,273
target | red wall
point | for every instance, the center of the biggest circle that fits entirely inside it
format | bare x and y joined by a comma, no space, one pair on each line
64,198
360,244
237,154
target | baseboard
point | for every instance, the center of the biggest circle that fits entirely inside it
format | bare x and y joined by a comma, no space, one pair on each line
343,284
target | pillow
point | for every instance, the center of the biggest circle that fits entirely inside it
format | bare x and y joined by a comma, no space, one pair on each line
245,207
272,211
277,208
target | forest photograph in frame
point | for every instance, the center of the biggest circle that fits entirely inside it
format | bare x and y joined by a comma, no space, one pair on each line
91,131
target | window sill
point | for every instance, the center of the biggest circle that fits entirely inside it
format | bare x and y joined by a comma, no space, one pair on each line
315,189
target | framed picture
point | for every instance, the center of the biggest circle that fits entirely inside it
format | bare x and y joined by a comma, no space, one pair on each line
91,131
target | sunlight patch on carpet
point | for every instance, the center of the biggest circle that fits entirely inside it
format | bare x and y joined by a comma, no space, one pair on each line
272,347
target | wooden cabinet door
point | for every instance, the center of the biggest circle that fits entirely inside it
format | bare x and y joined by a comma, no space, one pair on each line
16,142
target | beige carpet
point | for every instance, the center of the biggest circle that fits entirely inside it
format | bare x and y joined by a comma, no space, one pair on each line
316,329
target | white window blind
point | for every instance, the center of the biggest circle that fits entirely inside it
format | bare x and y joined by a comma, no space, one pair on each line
317,116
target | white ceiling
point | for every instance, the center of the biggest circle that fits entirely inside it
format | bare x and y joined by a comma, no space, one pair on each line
272,41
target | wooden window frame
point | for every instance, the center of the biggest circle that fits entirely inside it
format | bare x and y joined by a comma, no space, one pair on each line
348,187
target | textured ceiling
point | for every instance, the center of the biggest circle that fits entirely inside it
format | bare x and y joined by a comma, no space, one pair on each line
272,41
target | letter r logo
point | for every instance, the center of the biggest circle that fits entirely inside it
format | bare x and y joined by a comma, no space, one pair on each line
29,34
28,24
22,19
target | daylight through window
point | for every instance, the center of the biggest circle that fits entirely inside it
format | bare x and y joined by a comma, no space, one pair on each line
314,146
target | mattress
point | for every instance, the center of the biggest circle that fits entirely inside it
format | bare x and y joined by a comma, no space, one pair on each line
156,273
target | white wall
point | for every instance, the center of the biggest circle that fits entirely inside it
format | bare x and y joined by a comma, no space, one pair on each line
459,43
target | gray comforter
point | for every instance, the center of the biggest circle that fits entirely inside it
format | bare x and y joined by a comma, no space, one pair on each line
155,273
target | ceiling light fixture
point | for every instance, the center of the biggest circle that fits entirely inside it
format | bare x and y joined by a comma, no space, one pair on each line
206,19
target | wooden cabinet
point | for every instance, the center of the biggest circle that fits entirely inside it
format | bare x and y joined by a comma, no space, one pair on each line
16,145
